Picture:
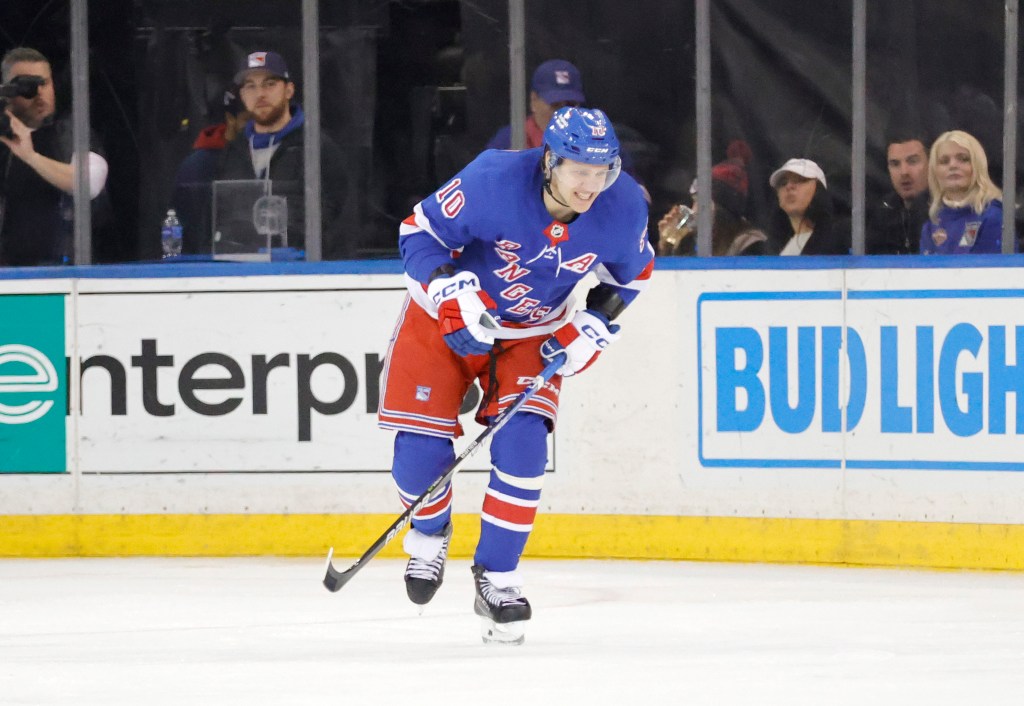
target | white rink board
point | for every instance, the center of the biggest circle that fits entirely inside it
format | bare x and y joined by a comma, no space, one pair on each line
233,337
647,412
660,426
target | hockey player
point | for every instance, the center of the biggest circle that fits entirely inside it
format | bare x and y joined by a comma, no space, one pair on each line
491,259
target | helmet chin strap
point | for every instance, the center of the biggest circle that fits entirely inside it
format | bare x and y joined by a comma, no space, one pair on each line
550,162
547,188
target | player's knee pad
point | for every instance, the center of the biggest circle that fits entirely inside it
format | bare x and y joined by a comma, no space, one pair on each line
520,448
419,460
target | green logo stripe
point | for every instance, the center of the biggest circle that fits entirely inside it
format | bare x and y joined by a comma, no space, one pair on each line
33,384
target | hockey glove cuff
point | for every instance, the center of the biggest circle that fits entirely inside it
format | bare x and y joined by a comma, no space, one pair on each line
582,340
464,313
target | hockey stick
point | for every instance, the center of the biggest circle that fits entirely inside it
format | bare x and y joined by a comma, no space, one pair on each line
335,579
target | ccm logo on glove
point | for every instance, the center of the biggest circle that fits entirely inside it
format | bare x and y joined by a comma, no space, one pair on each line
464,313
597,336
451,286
581,340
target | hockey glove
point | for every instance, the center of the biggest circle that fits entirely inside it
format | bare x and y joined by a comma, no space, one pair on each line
464,313
582,340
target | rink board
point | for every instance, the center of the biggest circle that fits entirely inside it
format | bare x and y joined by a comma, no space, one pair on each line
835,411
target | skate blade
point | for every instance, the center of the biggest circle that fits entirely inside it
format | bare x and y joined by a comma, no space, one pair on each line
493,633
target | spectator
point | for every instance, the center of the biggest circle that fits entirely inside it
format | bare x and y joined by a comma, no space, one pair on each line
556,83
966,211
37,174
804,223
191,198
894,227
731,232
273,149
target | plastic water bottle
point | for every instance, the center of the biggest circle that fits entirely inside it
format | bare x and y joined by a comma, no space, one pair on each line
170,234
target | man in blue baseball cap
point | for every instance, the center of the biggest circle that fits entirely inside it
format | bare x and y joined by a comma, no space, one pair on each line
270,62
272,148
556,84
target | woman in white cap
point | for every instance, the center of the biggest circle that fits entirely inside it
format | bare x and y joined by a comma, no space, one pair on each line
966,212
804,224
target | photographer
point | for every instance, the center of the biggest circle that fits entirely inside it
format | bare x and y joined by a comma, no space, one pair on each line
36,168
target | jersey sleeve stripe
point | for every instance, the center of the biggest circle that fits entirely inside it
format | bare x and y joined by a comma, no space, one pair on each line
637,285
418,222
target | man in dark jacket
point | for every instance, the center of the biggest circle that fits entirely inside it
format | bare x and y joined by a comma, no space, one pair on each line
36,174
894,225
271,148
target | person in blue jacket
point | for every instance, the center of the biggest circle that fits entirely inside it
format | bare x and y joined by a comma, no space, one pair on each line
966,211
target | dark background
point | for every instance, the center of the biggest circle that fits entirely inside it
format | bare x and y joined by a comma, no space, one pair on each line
413,90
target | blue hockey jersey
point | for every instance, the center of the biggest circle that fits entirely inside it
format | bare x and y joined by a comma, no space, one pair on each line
961,230
490,219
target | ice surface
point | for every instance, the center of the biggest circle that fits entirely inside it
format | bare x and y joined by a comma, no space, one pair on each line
264,631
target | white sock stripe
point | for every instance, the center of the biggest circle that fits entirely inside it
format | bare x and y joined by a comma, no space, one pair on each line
512,500
517,482
409,498
511,526
431,509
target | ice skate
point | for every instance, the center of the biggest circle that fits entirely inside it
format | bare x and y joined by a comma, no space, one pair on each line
502,608
427,556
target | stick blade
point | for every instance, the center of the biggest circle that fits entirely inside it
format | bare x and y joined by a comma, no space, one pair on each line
334,579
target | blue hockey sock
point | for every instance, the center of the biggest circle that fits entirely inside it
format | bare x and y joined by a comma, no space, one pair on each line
419,460
518,455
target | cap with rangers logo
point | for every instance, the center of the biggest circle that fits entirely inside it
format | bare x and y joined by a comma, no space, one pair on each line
269,61
558,81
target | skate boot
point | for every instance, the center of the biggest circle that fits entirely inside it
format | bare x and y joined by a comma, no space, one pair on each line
502,608
425,570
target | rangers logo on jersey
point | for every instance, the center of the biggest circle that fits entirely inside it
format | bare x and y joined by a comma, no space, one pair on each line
970,234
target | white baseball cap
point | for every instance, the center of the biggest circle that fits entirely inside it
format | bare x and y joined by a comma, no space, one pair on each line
803,167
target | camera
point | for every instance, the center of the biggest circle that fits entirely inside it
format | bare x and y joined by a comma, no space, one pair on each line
17,87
